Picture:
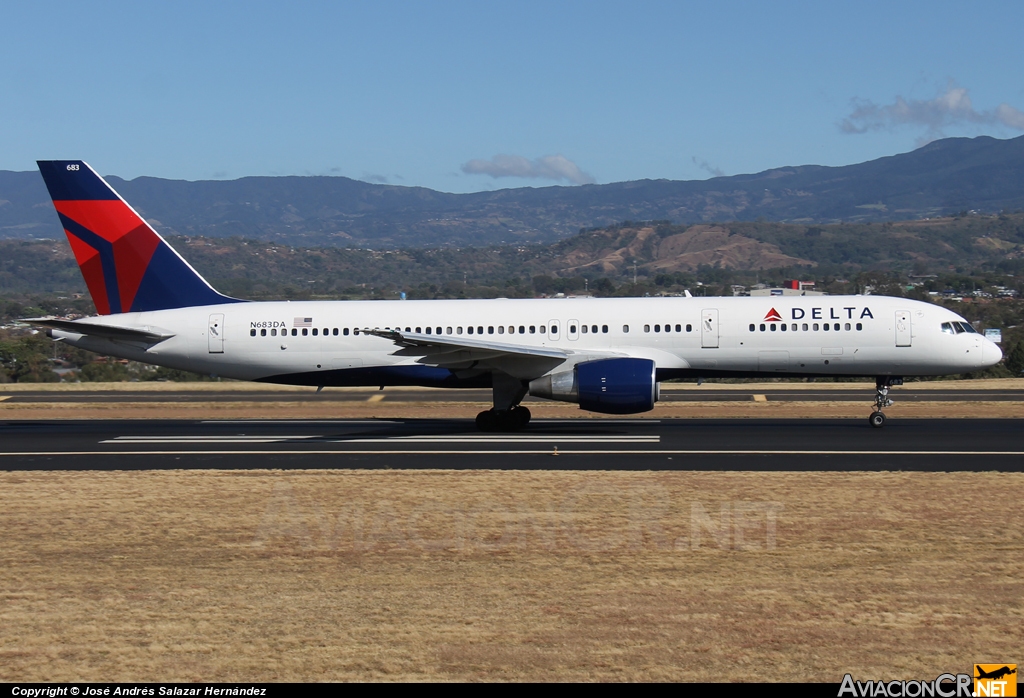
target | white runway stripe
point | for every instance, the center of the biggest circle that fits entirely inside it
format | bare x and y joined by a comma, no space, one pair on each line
239,439
510,438
580,452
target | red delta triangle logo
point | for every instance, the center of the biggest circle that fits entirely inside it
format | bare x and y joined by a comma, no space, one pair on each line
773,316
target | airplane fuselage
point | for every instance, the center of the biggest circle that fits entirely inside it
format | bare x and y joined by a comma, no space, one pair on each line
325,342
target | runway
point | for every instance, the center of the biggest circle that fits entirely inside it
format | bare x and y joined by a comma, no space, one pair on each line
863,392
548,444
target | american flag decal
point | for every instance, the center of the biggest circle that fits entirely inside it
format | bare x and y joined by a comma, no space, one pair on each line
303,322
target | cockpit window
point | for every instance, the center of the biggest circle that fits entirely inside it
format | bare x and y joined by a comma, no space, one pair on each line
958,327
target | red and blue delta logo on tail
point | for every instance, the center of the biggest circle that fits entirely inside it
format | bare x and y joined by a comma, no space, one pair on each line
127,266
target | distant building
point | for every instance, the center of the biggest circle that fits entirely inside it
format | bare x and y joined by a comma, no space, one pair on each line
790,288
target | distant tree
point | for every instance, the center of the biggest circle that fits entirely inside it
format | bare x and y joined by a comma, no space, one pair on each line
1015,359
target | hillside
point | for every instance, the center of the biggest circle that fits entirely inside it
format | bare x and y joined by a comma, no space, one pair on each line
941,178
250,267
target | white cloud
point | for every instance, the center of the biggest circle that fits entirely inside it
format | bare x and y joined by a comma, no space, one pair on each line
554,167
953,107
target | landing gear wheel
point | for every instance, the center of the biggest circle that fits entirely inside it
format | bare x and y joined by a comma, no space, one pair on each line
513,419
520,416
877,420
487,421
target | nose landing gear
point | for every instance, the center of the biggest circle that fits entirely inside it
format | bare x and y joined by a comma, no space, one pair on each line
882,385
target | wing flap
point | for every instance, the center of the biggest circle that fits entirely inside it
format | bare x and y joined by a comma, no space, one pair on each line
430,344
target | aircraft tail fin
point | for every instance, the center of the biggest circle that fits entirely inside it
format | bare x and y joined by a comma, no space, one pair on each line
127,266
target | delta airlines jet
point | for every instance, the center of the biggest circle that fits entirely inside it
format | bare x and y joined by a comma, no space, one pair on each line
608,355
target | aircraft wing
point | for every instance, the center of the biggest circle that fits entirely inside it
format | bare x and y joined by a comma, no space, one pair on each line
462,352
145,335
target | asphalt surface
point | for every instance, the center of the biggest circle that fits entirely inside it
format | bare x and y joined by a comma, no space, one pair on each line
865,394
571,444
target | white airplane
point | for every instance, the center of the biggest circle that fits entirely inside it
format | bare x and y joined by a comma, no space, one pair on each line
608,355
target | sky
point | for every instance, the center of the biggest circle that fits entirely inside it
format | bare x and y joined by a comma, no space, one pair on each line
473,96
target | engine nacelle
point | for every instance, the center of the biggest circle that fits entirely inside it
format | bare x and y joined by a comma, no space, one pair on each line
609,386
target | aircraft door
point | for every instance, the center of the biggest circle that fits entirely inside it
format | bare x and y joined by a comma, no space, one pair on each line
709,328
553,330
215,333
572,330
904,328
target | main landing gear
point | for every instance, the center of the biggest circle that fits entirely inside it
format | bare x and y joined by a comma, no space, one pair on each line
512,419
882,385
507,414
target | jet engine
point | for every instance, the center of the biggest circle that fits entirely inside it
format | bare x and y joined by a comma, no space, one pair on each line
610,386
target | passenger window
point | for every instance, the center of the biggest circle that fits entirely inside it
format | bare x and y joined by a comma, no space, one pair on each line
511,329
458,330
604,329
449,331
355,332
824,326
647,328
763,328
542,330
305,332
847,327
583,329
479,329
252,332
263,333
751,327
273,333
657,328
314,332
836,327
625,329
533,329
438,331
522,329
793,327
419,330
815,326
572,329
679,328
501,329
860,327
335,332
428,330
772,326
805,327
469,330
593,328
689,328
295,332
345,332
782,327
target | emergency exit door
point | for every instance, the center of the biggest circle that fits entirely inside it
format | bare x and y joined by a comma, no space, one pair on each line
904,329
215,334
709,328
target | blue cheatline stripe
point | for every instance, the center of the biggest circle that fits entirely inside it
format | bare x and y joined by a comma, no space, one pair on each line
80,184
106,250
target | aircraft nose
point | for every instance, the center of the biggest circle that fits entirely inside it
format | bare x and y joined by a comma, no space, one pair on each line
991,354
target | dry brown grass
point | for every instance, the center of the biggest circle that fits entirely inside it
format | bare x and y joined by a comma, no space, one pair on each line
315,575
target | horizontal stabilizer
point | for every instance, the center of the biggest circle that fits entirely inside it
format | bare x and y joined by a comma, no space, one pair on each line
91,329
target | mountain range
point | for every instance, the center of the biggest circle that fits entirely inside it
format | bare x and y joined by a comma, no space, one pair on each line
947,176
